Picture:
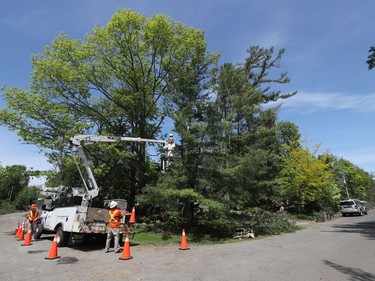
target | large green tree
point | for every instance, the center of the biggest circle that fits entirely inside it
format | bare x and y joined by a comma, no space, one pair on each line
230,144
306,179
244,132
117,80
12,180
352,181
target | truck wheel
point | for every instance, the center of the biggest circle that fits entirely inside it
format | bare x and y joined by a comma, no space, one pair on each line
121,239
63,237
38,231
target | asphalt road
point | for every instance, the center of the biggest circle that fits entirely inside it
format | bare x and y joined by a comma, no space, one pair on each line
341,249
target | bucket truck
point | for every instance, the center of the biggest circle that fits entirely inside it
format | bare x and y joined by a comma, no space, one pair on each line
71,215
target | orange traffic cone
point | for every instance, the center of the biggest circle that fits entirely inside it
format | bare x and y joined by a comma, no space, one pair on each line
184,244
126,251
53,251
16,230
27,241
19,231
132,216
21,235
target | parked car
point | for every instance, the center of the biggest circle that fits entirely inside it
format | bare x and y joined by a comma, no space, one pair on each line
352,206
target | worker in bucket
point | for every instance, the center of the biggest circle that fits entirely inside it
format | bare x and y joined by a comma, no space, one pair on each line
113,228
169,153
32,218
169,147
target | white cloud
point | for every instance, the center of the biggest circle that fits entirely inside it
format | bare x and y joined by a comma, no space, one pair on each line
364,157
310,102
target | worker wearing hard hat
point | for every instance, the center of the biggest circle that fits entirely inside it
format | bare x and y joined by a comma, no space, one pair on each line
113,227
32,218
170,147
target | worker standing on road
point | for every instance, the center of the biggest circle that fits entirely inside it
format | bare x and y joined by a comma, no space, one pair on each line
32,218
113,229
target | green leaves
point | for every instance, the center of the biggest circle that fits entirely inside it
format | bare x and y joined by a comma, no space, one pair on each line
371,58
12,180
119,80
304,177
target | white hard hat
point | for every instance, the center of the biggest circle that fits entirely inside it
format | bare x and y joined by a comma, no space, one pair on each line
112,204
171,135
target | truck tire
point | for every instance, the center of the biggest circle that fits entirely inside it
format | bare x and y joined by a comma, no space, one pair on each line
121,239
39,231
63,237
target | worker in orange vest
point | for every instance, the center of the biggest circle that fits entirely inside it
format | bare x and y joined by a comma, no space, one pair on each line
32,217
113,227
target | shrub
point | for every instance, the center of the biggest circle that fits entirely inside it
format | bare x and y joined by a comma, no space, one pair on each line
6,208
267,223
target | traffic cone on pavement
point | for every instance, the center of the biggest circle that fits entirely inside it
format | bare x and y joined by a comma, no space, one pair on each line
53,251
15,231
184,244
27,241
19,231
132,216
21,235
126,251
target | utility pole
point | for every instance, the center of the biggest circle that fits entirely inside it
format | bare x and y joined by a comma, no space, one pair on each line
346,185
10,193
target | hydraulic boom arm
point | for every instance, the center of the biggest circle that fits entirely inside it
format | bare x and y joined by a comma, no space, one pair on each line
76,142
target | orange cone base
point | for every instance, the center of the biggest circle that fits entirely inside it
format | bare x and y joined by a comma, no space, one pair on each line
52,258
184,248
128,258
26,244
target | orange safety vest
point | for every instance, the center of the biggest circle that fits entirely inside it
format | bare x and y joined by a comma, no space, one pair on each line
32,215
115,217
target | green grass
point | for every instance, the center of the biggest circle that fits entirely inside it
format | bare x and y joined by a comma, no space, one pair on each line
147,238
155,238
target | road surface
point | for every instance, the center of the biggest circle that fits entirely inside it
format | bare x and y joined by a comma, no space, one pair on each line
340,249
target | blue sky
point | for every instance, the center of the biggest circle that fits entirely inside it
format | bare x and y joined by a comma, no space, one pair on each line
326,44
